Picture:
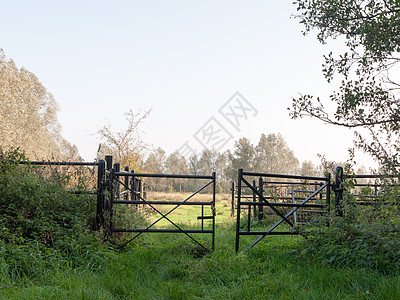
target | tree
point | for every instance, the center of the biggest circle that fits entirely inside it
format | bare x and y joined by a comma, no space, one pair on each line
272,155
155,163
241,158
221,164
368,94
213,161
126,146
308,169
176,164
28,115
208,161
194,164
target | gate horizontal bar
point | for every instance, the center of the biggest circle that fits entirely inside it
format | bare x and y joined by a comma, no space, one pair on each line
291,182
373,185
375,203
161,202
163,230
279,204
310,211
365,196
370,196
306,191
370,176
268,233
59,163
283,176
205,218
82,192
281,198
164,175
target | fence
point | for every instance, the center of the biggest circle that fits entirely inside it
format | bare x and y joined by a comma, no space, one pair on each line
154,205
285,211
367,190
111,179
286,201
97,190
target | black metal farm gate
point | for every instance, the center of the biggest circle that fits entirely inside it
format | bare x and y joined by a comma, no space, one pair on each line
153,204
108,191
133,194
283,206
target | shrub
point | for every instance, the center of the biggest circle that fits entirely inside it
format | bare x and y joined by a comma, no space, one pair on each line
39,218
365,237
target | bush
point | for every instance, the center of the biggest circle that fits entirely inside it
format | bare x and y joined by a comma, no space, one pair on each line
39,219
365,237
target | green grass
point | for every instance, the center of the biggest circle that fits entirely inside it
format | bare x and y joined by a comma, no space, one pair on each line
186,215
168,266
171,266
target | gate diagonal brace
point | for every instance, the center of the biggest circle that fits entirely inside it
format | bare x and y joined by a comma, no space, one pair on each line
266,201
287,215
164,216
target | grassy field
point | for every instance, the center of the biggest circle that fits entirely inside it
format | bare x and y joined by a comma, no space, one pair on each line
171,266
186,215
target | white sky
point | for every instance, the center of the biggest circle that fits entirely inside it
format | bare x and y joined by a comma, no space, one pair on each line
182,59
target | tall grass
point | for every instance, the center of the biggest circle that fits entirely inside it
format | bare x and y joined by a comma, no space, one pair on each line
171,267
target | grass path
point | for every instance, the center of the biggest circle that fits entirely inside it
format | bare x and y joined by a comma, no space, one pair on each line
167,267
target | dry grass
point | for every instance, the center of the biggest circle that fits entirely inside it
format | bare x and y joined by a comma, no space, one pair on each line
188,214
174,196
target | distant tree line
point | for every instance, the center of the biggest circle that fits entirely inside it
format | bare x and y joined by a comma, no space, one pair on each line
270,155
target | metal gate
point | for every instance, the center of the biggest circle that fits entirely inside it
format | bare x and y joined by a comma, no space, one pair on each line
282,207
367,189
138,199
98,190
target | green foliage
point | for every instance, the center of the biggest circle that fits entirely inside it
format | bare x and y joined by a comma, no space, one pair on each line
366,236
368,93
41,223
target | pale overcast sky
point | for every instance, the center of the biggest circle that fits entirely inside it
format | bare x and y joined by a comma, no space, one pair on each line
182,59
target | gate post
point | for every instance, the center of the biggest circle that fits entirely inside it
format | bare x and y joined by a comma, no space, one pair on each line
338,188
132,183
112,196
117,186
233,200
126,181
140,189
144,191
109,162
239,194
261,190
135,189
213,209
101,171
328,196
254,200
